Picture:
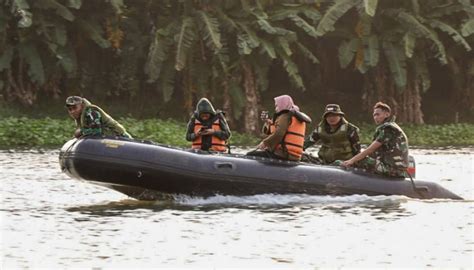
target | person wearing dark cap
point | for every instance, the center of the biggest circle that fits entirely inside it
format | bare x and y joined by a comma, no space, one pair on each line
92,120
208,128
339,138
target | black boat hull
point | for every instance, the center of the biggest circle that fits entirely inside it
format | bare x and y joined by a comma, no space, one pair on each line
146,170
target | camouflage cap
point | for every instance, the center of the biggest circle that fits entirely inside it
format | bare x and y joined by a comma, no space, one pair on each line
74,100
332,108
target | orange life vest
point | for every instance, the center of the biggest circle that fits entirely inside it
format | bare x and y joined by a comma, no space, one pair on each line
294,138
217,144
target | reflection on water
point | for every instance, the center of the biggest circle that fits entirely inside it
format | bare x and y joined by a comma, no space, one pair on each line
49,220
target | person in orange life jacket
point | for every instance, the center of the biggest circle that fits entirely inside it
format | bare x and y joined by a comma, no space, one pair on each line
207,128
285,132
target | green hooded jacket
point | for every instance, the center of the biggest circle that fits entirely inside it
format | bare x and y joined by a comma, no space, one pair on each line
205,106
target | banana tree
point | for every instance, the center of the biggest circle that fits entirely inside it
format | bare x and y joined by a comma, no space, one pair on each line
390,42
225,49
37,44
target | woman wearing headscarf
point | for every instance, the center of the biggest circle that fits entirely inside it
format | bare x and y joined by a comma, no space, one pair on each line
285,132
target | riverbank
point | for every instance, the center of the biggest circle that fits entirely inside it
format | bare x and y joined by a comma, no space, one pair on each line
48,132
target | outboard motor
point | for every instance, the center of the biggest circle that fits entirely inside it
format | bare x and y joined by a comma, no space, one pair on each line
411,166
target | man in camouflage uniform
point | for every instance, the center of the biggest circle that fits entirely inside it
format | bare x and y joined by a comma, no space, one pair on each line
339,138
388,153
92,120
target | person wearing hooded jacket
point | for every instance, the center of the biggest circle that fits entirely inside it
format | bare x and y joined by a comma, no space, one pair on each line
339,138
208,128
285,132
91,120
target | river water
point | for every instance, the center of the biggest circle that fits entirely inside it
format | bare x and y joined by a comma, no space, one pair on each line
48,220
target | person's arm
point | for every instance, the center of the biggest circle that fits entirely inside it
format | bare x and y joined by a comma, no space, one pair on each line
311,139
372,147
190,135
281,126
354,140
224,133
92,123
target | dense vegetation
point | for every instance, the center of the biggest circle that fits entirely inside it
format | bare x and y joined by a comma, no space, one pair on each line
163,55
48,132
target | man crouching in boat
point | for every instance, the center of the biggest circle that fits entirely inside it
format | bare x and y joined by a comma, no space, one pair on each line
207,128
389,149
286,132
92,120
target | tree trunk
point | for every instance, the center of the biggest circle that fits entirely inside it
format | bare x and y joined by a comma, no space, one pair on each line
462,94
405,103
226,105
251,107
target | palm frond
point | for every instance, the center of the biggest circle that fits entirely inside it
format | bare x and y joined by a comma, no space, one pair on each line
94,31
347,50
300,22
58,8
238,98
268,48
416,27
261,71
75,4
209,27
409,41
284,45
291,69
333,14
371,50
184,40
370,7
467,28
422,73
451,32
158,52
35,65
167,81
307,53
397,63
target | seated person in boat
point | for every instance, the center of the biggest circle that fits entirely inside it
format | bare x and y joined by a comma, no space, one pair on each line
285,132
92,120
388,153
339,138
207,128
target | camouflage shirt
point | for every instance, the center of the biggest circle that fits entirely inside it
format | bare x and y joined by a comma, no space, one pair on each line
92,124
394,150
94,121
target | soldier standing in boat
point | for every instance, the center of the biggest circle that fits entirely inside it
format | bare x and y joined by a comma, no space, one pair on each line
92,120
285,132
208,128
339,138
388,153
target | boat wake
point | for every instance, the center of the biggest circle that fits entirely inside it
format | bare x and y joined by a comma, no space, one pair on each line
286,200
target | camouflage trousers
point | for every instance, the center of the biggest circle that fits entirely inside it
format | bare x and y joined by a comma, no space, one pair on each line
377,167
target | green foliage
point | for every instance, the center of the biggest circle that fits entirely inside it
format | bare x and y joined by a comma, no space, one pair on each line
370,6
333,14
428,135
347,50
48,132
397,63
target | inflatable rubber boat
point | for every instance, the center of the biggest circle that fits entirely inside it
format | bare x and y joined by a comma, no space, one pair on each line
148,171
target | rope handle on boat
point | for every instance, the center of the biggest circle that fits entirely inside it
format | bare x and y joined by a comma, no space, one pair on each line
418,190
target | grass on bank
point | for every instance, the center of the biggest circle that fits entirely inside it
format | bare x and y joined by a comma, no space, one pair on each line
48,132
